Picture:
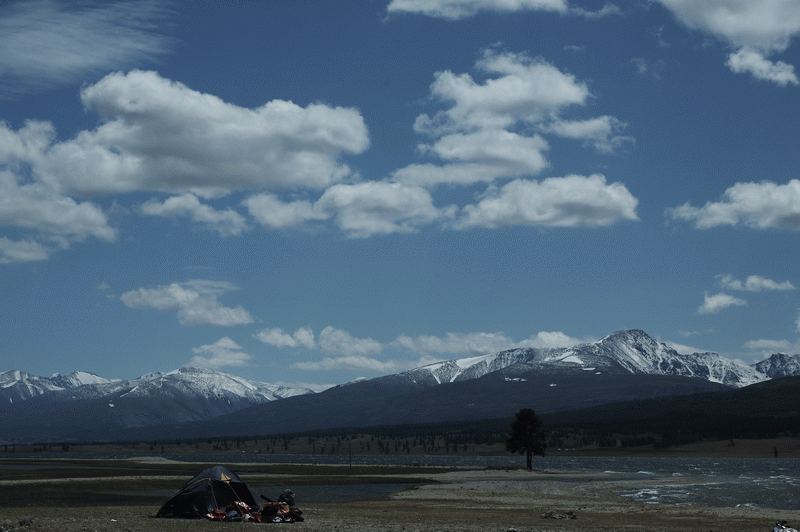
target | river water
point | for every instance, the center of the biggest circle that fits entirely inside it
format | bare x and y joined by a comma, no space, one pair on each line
756,482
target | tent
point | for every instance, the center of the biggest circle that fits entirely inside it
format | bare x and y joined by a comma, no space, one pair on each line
214,488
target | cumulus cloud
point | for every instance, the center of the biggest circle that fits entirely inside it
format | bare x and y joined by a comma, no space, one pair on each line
47,43
717,302
480,343
272,213
224,352
361,210
428,175
55,220
479,135
753,62
754,283
161,135
355,354
572,201
38,207
372,207
226,222
513,153
601,133
340,342
757,28
764,205
363,363
768,346
762,24
337,341
460,9
22,251
195,302
683,349
302,337
523,89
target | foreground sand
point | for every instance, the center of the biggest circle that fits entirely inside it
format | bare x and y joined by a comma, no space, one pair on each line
490,500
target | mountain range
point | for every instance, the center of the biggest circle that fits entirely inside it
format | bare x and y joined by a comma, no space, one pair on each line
192,402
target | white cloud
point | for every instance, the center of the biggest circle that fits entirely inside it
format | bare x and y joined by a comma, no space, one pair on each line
195,302
527,90
683,349
754,283
54,219
355,353
761,24
224,352
480,343
363,363
161,135
226,222
372,207
38,207
269,211
22,251
756,28
600,132
452,343
718,302
478,134
768,346
361,210
337,341
302,337
606,10
572,201
459,9
553,339
299,385
46,43
429,175
511,151
752,62
30,204
762,205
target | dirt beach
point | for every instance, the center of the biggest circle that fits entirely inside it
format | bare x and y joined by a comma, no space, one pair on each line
462,500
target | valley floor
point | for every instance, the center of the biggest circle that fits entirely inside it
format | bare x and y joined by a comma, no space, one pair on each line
435,500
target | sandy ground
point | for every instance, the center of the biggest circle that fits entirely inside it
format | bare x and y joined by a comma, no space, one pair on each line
492,500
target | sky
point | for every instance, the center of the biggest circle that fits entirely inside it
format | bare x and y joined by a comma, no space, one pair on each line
310,192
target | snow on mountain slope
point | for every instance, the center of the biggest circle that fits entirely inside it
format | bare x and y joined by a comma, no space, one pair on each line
18,385
779,365
631,351
189,383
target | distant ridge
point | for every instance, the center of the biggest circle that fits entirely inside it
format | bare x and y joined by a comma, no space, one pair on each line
192,402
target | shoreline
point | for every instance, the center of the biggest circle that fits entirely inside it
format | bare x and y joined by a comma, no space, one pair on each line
436,499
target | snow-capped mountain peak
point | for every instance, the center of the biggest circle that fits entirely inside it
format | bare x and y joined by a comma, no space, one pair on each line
192,383
631,351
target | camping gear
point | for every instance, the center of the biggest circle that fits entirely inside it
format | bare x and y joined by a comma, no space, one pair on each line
208,492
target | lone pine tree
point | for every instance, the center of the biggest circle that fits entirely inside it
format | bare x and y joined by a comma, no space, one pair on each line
527,436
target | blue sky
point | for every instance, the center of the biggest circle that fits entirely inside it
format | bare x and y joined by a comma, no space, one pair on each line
313,192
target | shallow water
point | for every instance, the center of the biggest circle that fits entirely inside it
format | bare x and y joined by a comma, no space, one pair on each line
756,482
